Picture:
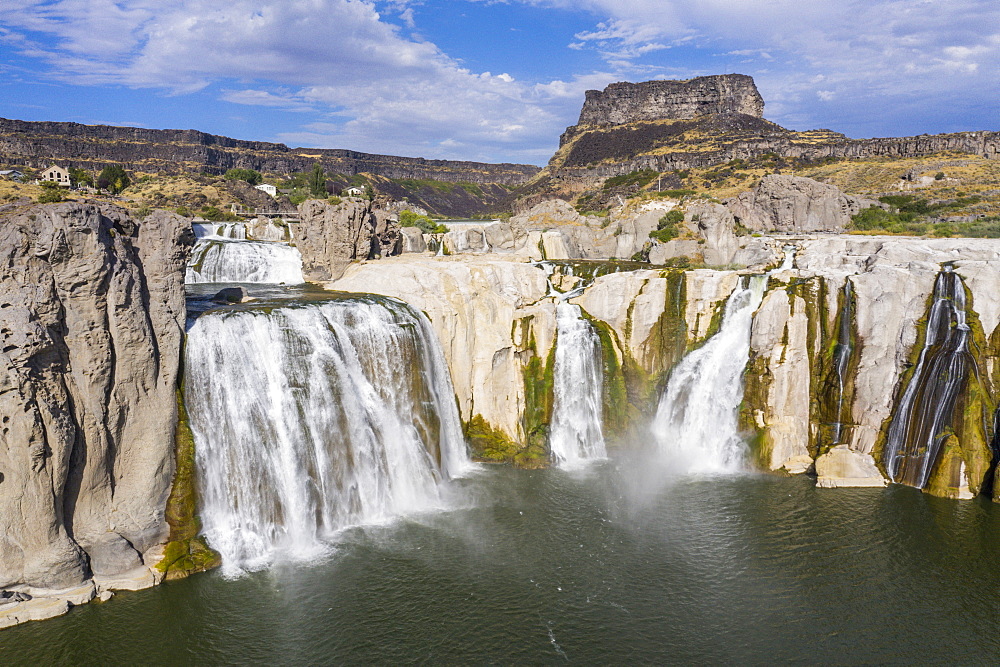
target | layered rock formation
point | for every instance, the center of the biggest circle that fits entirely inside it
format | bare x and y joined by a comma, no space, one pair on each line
39,144
622,103
667,126
93,321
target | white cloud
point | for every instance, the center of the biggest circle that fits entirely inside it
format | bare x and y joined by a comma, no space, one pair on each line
338,57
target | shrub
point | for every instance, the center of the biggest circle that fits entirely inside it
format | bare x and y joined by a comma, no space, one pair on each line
51,194
216,214
249,175
667,227
939,176
639,178
408,218
113,178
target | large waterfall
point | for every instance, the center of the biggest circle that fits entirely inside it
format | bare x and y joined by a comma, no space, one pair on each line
696,422
215,260
924,415
575,435
311,418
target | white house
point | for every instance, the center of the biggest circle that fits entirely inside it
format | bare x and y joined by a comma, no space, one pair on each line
57,175
268,188
354,191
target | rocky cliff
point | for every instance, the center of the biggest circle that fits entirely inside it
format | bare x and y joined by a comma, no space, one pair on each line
331,236
39,144
669,126
622,103
843,352
93,321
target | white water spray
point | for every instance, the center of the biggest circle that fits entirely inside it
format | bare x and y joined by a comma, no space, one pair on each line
312,418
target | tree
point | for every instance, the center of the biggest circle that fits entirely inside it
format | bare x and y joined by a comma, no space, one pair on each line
113,179
317,181
249,175
79,177
51,193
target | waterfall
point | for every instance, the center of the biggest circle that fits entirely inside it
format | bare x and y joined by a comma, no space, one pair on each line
577,412
223,261
312,418
220,230
696,425
841,357
924,414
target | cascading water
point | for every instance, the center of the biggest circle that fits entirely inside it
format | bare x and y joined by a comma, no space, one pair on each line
311,418
576,435
841,358
215,260
220,230
924,415
696,421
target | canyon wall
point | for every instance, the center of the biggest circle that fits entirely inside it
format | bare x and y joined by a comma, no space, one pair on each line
40,144
93,313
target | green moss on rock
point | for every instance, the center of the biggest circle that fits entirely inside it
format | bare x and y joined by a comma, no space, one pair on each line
186,552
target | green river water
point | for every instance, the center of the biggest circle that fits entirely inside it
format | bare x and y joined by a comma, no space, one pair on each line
606,566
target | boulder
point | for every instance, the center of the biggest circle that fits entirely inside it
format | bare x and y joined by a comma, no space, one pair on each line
782,203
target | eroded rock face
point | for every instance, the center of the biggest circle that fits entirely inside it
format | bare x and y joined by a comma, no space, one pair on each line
622,103
785,203
93,312
331,236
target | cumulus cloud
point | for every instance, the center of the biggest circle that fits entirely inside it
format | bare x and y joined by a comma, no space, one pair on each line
895,59
378,89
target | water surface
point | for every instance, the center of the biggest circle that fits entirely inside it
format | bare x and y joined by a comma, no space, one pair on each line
552,566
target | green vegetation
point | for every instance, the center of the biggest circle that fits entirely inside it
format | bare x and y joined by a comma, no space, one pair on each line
216,214
80,177
640,178
51,193
907,215
186,551
675,194
113,178
249,175
317,181
408,218
668,227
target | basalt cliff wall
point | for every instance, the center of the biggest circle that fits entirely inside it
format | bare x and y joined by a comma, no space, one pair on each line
93,312
40,144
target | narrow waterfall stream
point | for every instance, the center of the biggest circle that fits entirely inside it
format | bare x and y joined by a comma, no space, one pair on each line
576,435
695,425
923,417
310,418
218,260
842,357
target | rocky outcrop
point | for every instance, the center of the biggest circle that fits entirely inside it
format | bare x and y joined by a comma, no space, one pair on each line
331,236
622,103
782,203
93,320
669,126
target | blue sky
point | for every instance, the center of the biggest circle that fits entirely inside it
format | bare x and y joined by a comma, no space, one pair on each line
492,80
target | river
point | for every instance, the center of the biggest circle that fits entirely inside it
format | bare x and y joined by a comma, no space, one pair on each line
606,565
